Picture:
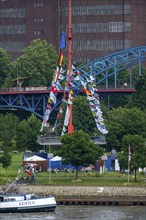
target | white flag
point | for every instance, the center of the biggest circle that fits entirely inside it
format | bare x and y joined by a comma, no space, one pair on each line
67,114
53,97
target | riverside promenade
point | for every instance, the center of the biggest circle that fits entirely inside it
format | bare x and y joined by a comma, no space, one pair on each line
90,195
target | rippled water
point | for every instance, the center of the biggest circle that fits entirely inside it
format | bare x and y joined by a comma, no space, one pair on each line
84,213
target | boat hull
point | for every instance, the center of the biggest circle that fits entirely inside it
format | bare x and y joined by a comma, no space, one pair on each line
31,209
31,205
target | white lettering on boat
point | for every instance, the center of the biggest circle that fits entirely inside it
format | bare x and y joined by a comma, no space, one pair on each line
27,203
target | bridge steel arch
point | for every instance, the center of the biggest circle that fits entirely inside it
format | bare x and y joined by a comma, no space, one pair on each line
111,65
102,68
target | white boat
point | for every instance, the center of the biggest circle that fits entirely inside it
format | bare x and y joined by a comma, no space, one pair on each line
26,203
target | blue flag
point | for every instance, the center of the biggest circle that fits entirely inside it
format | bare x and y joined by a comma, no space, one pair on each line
63,40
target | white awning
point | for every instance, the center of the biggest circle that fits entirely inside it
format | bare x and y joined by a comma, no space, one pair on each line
34,158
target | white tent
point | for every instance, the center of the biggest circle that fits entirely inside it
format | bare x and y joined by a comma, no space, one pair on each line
34,158
57,158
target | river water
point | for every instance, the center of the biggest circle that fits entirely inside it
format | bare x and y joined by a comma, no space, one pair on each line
83,213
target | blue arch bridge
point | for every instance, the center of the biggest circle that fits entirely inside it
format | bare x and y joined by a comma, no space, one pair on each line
104,69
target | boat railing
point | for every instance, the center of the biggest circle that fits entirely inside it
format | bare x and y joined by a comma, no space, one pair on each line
51,140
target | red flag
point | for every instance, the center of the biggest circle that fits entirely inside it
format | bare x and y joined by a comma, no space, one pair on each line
28,172
60,58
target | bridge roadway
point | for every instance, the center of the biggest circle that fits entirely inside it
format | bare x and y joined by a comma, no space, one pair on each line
34,99
44,90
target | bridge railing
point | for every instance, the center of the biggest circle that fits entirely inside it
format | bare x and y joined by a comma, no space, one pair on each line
23,89
44,88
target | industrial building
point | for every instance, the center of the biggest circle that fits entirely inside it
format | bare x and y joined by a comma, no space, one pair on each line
99,27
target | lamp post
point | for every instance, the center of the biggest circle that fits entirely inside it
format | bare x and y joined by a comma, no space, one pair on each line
17,77
49,165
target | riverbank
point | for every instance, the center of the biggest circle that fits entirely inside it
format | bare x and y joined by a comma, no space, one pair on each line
90,195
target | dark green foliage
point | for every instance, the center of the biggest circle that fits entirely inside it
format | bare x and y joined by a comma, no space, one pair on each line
78,149
5,159
123,121
139,98
37,63
137,144
8,131
82,116
5,68
27,134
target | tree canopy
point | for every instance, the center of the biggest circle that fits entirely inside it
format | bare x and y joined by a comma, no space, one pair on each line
5,68
122,121
137,145
78,150
37,62
27,133
8,131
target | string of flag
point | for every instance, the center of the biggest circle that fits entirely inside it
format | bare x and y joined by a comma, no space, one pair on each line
55,85
89,89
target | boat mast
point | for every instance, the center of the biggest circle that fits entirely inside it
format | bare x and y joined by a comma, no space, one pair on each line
70,52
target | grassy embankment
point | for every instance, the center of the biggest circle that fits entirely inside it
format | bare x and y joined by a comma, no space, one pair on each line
67,179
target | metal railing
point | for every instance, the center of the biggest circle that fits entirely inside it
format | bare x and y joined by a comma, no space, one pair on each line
52,140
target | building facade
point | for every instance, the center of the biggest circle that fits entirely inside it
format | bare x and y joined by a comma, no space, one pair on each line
99,27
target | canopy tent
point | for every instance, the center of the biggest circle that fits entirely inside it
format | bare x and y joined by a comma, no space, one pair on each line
56,158
35,158
41,163
55,163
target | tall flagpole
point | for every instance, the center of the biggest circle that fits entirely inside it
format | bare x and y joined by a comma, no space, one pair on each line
70,126
129,158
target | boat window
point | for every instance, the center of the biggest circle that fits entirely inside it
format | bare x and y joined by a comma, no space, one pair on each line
35,196
9,199
1,199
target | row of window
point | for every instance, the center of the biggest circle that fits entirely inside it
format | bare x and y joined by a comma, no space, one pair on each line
101,45
97,10
12,29
38,32
77,28
77,45
77,10
13,13
38,20
100,27
38,5
13,46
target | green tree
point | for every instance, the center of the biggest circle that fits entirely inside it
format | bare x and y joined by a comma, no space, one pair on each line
5,68
123,121
6,160
138,99
78,149
82,116
28,130
38,63
8,131
138,152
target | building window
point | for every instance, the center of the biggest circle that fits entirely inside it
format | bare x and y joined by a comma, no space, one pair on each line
12,13
12,29
101,45
38,5
100,27
119,27
13,46
97,10
38,20
37,32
